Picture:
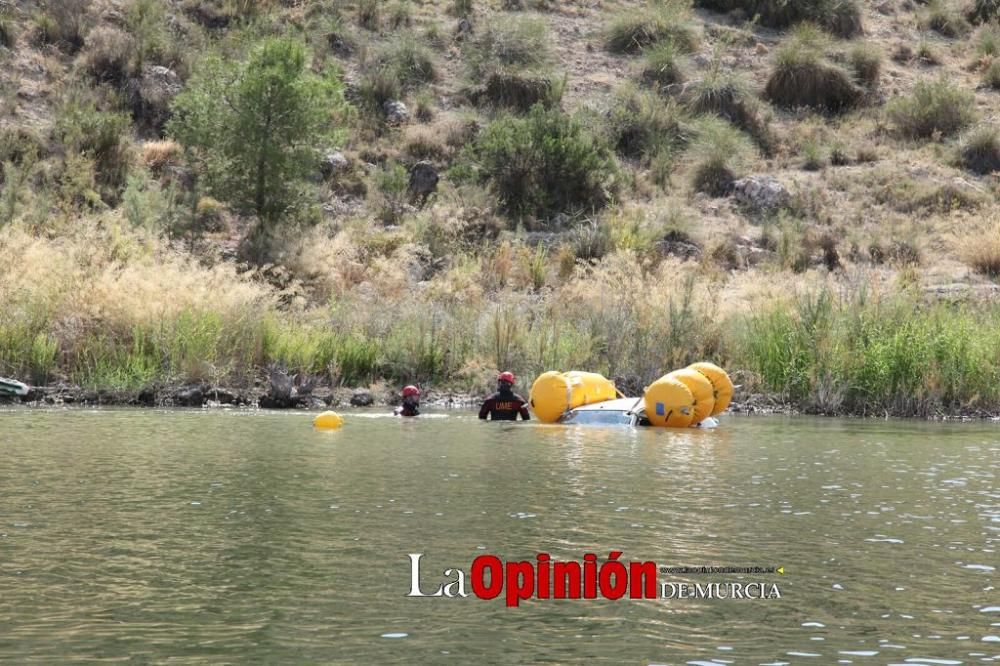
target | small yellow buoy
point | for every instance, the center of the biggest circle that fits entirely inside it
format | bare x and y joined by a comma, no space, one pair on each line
328,421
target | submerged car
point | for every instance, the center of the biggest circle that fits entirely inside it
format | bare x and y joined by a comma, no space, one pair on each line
620,412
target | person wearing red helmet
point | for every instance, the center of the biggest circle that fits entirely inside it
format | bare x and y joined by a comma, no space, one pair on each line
411,402
504,405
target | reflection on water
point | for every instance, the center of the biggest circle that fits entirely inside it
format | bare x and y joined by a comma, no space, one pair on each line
251,538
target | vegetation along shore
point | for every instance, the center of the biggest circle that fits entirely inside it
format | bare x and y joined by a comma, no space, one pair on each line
309,203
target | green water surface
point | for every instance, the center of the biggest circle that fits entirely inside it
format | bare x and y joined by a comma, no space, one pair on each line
246,537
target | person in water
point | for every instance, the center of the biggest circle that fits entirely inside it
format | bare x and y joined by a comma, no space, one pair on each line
411,402
504,405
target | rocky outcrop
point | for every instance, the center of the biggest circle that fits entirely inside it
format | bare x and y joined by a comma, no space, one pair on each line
423,181
190,396
333,164
301,395
286,392
362,398
340,44
678,244
151,94
396,112
761,193
464,29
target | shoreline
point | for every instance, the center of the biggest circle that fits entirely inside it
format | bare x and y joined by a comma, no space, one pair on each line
207,396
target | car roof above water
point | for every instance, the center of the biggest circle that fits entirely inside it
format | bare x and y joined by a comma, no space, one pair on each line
619,405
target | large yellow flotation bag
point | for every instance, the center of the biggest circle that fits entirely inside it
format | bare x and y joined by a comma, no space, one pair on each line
669,403
702,390
328,421
554,393
720,381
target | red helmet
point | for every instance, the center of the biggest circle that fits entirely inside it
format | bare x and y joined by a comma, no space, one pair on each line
411,390
506,377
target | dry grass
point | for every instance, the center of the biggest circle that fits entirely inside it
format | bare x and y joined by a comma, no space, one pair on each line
108,54
103,298
866,61
944,18
935,108
981,251
991,75
158,155
660,21
425,143
730,98
979,151
803,78
515,91
459,264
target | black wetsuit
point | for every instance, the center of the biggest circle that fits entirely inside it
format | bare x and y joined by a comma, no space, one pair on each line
406,409
504,406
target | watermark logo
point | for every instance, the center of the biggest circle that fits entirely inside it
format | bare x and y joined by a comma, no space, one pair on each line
490,577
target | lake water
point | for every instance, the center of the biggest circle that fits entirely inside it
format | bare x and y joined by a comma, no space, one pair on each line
248,537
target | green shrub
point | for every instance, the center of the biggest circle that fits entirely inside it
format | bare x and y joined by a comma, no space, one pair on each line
146,21
803,78
988,42
254,129
220,14
107,56
516,91
410,62
985,10
840,17
591,241
660,21
979,150
843,18
909,195
369,14
934,107
63,23
661,67
991,75
357,360
719,154
461,8
892,354
210,215
101,136
508,43
866,62
927,54
642,126
144,203
15,184
727,96
543,164
813,155
423,107
20,144
400,15
390,189
7,34
378,87
943,18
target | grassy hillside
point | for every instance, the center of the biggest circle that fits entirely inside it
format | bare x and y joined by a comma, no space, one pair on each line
197,190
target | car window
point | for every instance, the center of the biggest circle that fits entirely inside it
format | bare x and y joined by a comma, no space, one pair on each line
599,417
